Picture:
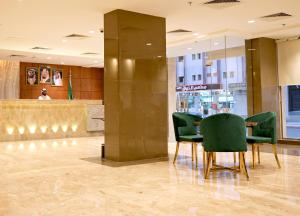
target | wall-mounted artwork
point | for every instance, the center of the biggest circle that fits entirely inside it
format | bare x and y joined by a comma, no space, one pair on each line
32,76
45,74
57,77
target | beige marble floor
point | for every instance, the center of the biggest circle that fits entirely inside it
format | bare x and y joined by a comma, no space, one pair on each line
66,177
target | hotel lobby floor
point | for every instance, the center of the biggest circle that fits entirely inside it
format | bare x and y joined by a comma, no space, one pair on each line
66,177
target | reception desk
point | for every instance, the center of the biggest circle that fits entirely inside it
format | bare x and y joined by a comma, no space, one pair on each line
34,119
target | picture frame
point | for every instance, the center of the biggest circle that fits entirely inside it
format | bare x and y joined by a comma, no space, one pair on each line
32,76
57,77
45,75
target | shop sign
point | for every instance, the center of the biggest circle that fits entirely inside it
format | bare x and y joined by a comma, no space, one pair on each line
188,88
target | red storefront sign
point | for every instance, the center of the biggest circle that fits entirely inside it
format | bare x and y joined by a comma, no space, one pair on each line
188,88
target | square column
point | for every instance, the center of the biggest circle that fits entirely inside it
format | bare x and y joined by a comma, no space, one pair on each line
135,86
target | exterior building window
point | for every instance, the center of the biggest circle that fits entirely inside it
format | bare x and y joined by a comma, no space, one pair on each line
224,75
231,74
199,55
199,77
194,77
193,56
181,79
180,58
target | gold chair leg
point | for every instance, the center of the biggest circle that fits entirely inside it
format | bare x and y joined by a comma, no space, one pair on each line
196,155
193,152
234,157
241,162
214,158
204,160
276,157
244,165
258,154
176,152
209,160
253,155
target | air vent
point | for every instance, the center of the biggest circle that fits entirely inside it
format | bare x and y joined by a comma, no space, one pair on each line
40,48
179,31
90,53
77,36
276,16
17,56
221,4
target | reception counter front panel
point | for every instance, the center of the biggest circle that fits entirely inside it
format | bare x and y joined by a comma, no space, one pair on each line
33,119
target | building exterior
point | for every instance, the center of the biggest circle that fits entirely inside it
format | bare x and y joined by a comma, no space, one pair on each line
210,86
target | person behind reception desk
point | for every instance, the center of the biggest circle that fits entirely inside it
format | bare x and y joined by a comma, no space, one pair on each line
44,95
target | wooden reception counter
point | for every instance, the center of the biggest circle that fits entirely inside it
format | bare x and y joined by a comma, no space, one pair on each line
34,119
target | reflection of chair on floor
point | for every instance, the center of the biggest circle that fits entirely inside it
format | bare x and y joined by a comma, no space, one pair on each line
185,132
263,132
224,133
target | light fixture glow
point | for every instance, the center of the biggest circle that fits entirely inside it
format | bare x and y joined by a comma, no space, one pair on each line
74,127
95,61
189,48
74,142
148,44
10,130
65,143
196,34
64,40
48,58
201,36
32,129
44,145
62,63
64,128
21,130
55,128
43,129
10,147
54,144
92,32
216,43
251,21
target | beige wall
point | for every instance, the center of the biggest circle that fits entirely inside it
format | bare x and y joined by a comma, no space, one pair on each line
9,79
289,62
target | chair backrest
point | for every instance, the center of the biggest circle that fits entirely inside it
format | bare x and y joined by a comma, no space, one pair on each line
224,132
266,126
184,124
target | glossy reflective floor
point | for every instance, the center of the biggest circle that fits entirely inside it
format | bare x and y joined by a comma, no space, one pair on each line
66,177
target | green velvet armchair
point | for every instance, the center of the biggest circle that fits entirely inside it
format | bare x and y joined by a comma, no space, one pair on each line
224,132
185,132
263,132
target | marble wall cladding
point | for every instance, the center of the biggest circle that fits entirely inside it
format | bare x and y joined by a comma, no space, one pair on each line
33,119
171,95
136,86
9,79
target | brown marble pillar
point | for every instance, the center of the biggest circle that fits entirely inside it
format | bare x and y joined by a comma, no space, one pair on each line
135,86
262,76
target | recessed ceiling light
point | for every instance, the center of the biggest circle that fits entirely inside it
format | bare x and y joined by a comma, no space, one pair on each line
216,43
148,44
64,40
159,56
196,34
62,63
189,48
49,57
95,61
251,21
92,32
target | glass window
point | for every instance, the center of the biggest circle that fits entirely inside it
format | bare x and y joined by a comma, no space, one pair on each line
199,77
194,77
193,57
199,55
224,75
181,79
180,58
291,112
231,74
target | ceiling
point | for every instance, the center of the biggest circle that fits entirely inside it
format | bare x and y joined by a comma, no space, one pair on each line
25,24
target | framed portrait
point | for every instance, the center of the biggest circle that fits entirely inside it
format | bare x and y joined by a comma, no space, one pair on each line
32,76
45,74
57,77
